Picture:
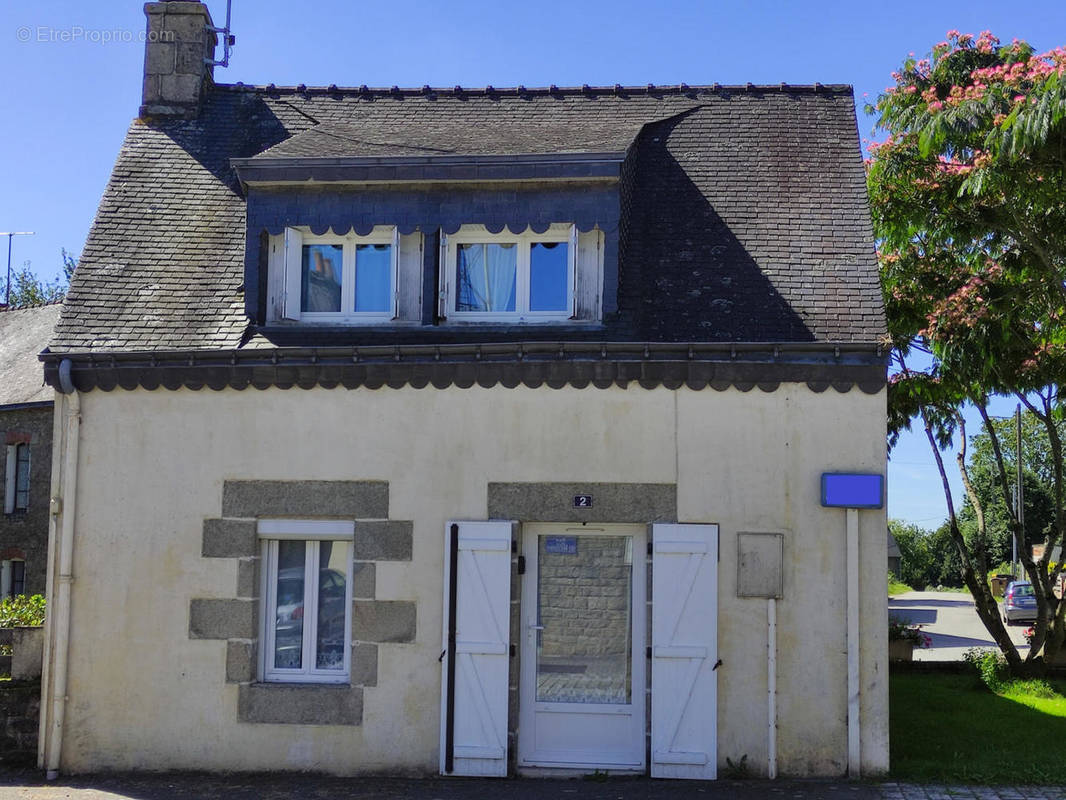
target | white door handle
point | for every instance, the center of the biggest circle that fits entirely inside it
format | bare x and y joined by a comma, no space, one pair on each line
536,627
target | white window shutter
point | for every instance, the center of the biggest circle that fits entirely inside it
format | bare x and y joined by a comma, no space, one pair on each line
9,475
395,273
442,289
572,267
482,649
291,285
684,635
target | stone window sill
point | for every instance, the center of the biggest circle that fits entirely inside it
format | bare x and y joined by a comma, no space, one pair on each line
300,704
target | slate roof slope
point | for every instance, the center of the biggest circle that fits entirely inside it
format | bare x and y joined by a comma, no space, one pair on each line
364,139
749,217
24,332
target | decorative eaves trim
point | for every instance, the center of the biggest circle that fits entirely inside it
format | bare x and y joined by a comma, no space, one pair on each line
555,364
409,208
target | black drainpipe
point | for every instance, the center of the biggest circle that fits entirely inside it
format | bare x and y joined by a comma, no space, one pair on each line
449,720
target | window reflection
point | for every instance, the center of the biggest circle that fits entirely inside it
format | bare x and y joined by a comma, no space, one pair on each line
289,619
373,277
322,271
332,566
548,263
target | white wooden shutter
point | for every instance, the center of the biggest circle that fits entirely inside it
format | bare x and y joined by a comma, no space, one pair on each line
395,267
572,263
9,478
482,649
290,288
684,635
442,289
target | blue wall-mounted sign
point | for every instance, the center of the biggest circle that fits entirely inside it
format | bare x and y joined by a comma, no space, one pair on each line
853,490
561,545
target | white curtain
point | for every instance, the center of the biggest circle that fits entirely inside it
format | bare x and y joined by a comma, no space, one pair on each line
486,276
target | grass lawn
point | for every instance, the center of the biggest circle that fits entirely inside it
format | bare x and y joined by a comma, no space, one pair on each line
895,587
951,728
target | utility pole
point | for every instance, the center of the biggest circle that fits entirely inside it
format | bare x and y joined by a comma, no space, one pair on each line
9,234
1019,496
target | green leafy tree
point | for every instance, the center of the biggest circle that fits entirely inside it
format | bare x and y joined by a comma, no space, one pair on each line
28,289
915,558
927,558
1038,481
968,194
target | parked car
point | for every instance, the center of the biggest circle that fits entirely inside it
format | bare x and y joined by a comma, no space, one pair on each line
1019,603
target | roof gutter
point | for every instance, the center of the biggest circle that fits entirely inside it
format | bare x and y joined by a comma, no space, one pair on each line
519,350
557,364
24,406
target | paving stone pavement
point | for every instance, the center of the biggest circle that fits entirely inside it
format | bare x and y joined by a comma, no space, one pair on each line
911,791
29,785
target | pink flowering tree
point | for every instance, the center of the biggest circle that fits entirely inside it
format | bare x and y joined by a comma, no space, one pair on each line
968,194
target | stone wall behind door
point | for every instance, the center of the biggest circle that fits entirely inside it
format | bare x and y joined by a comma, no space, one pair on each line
584,598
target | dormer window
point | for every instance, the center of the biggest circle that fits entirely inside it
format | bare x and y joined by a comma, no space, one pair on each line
348,278
505,276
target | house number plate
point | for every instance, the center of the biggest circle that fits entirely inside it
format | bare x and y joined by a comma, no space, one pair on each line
582,501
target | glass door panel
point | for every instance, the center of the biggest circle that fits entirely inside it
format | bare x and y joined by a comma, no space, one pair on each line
584,619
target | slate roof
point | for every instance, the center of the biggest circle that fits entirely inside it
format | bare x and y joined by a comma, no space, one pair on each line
24,332
386,138
746,215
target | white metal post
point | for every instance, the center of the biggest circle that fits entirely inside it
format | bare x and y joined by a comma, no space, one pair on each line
854,753
771,688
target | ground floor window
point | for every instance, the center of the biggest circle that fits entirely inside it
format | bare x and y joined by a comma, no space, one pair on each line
12,578
17,483
308,600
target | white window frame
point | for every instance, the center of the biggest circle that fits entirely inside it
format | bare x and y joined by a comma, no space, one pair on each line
7,577
312,533
292,279
563,233
11,478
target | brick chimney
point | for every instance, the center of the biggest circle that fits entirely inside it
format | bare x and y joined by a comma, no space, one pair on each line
178,49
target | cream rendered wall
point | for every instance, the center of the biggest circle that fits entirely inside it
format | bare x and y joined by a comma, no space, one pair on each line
152,464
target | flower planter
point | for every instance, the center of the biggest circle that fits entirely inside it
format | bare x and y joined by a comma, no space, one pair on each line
900,650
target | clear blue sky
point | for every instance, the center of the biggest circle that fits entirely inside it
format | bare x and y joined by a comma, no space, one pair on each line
72,89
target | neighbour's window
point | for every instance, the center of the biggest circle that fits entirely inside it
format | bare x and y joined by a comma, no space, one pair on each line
17,483
340,278
506,276
12,578
307,600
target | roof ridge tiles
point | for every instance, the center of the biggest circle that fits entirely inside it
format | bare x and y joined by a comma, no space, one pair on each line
579,91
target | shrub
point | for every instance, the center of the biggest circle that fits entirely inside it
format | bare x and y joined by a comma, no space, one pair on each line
22,611
991,667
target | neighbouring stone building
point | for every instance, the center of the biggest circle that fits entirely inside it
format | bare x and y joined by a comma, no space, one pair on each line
26,407
482,431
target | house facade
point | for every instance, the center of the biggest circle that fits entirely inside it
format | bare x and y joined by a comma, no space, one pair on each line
26,416
469,431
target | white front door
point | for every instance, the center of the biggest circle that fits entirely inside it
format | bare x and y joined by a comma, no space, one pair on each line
582,691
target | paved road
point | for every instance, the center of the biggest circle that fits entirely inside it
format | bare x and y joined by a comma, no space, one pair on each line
281,787
950,620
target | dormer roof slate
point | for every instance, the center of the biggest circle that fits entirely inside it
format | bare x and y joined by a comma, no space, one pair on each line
745,215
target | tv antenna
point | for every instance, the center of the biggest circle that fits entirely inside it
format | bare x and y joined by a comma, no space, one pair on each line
228,39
